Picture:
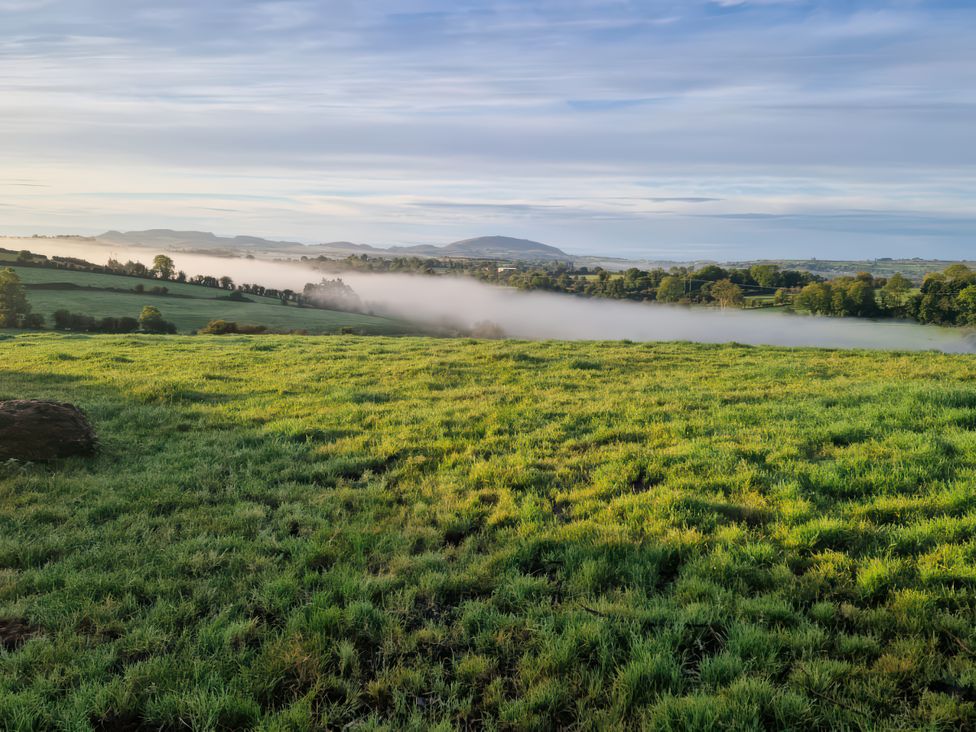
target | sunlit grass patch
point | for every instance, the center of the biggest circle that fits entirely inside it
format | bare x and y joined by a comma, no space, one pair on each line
300,533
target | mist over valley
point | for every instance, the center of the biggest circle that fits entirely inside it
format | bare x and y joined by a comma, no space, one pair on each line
462,303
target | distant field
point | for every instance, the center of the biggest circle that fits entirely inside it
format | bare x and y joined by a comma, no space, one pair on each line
35,275
189,314
287,533
914,269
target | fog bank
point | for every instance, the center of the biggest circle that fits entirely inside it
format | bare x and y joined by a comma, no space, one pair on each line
537,315
463,302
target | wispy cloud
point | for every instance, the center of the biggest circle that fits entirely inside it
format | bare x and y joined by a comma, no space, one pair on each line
682,199
586,123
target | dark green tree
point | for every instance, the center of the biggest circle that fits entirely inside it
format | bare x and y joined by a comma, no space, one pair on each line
764,275
163,267
671,289
727,293
151,321
14,308
892,295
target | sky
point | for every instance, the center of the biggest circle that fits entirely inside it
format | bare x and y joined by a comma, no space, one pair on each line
700,129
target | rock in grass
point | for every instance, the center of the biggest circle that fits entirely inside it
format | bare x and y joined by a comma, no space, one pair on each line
39,430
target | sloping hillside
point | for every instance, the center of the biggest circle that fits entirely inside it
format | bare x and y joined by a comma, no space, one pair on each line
483,247
189,307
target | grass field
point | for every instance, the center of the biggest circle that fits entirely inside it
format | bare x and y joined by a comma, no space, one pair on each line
914,269
287,533
192,308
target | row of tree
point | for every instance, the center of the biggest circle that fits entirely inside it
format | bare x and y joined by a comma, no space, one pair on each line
150,320
164,268
944,298
82,323
708,284
408,265
333,294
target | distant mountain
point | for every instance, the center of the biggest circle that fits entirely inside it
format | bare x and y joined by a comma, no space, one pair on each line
500,246
482,247
169,239
489,247
345,245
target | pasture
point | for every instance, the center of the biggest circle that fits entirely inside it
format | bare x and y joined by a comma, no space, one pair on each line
286,533
190,307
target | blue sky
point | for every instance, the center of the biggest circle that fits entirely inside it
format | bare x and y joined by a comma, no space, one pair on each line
725,129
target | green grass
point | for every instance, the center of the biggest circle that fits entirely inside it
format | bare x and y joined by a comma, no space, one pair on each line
193,309
43,275
289,533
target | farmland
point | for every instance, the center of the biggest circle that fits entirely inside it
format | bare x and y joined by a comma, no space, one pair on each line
189,307
286,533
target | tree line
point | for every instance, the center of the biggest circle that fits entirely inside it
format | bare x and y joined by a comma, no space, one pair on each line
944,298
150,320
710,284
16,312
162,268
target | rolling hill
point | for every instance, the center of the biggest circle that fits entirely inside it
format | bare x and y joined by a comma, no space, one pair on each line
189,307
490,247
168,239
483,247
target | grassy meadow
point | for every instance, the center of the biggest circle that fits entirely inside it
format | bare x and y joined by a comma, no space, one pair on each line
189,307
286,533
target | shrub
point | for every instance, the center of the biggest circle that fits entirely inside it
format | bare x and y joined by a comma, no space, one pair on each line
219,327
118,325
248,329
66,320
225,327
151,321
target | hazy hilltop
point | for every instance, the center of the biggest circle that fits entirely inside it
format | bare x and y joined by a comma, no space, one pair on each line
483,247
170,239
491,247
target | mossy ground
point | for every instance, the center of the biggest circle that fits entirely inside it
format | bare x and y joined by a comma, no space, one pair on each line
289,533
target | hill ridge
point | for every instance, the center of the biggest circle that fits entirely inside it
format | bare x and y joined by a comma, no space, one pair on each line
488,247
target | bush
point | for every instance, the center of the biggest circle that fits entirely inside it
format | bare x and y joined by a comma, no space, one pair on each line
247,329
151,321
33,321
487,330
118,325
226,327
218,327
80,322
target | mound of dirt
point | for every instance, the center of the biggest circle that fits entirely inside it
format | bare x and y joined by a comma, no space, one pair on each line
15,632
39,430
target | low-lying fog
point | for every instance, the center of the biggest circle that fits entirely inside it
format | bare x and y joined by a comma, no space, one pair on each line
535,315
